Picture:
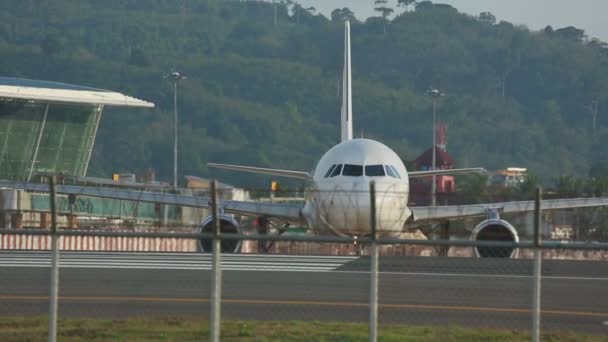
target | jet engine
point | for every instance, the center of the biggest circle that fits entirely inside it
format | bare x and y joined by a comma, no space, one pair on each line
495,229
228,225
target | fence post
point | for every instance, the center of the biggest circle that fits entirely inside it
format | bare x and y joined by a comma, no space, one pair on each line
216,285
373,295
54,286
536,290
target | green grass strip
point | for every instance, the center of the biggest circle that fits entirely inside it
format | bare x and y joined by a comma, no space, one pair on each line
23,329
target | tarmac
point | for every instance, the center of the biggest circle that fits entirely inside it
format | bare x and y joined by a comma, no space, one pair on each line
413,290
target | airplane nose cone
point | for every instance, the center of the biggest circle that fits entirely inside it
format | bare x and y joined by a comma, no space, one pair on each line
347,210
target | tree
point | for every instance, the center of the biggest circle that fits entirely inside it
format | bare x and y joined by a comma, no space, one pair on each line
504,61
595,94
591,224
296,9
423,5
343,14
569,187
384,10
571,33
51,44
474,188
138,57
487,17
527,189
406,3
595,43
300,12
274,13
599,169
598,187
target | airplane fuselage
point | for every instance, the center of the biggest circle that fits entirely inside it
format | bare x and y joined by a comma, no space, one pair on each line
339,202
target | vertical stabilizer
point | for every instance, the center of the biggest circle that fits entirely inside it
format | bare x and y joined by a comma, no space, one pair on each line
347,100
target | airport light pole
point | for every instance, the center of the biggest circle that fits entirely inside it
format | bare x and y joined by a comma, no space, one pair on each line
435,94
175,77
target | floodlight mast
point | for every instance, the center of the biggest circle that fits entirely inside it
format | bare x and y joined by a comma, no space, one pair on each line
435,94
175,77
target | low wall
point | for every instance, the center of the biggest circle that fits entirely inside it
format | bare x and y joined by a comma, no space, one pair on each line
96,243
143,244
555,254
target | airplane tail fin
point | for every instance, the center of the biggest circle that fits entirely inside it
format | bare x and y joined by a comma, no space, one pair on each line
346,121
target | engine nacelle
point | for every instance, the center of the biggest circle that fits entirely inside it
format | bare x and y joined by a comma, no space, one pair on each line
495,230
228,225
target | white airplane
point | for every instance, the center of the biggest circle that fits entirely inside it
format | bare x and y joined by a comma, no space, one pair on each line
339,200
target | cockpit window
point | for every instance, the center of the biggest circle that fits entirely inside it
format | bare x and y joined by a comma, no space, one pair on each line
337,170
395,171
330,170
389,171
352,170
374,170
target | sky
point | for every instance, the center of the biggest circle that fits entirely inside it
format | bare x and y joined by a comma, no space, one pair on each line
536,14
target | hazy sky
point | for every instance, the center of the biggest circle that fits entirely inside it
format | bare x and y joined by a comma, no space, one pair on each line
589,15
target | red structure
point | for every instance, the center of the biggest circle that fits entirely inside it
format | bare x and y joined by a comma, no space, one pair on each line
420,190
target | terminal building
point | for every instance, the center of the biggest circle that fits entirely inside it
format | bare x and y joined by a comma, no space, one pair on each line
49,127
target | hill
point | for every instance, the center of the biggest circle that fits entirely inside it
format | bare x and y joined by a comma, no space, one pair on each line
266,94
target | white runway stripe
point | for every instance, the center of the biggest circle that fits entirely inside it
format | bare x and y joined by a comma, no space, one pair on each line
175,261
230,262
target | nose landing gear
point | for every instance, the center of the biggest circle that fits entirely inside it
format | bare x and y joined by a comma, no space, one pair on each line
358,245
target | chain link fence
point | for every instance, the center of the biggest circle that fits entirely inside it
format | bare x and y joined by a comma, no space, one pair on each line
428,291
299,287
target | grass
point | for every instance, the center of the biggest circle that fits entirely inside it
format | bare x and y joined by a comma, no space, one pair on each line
188,329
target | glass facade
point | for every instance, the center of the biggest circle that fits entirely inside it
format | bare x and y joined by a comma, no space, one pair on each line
38,137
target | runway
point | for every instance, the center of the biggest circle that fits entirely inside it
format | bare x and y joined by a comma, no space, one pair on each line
413,290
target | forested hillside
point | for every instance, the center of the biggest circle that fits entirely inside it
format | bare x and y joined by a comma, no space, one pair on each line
265,93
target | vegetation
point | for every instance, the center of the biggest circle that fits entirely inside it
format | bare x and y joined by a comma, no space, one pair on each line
179,329
265,92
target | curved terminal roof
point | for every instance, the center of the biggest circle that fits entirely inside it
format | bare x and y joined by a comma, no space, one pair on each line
44,91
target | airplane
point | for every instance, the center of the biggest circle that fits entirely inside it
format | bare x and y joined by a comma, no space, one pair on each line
338,201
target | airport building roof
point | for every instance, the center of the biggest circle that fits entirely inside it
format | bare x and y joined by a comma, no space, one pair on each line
45,91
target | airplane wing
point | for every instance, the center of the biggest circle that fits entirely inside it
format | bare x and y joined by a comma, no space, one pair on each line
288,212
458,211
415,174
264,171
